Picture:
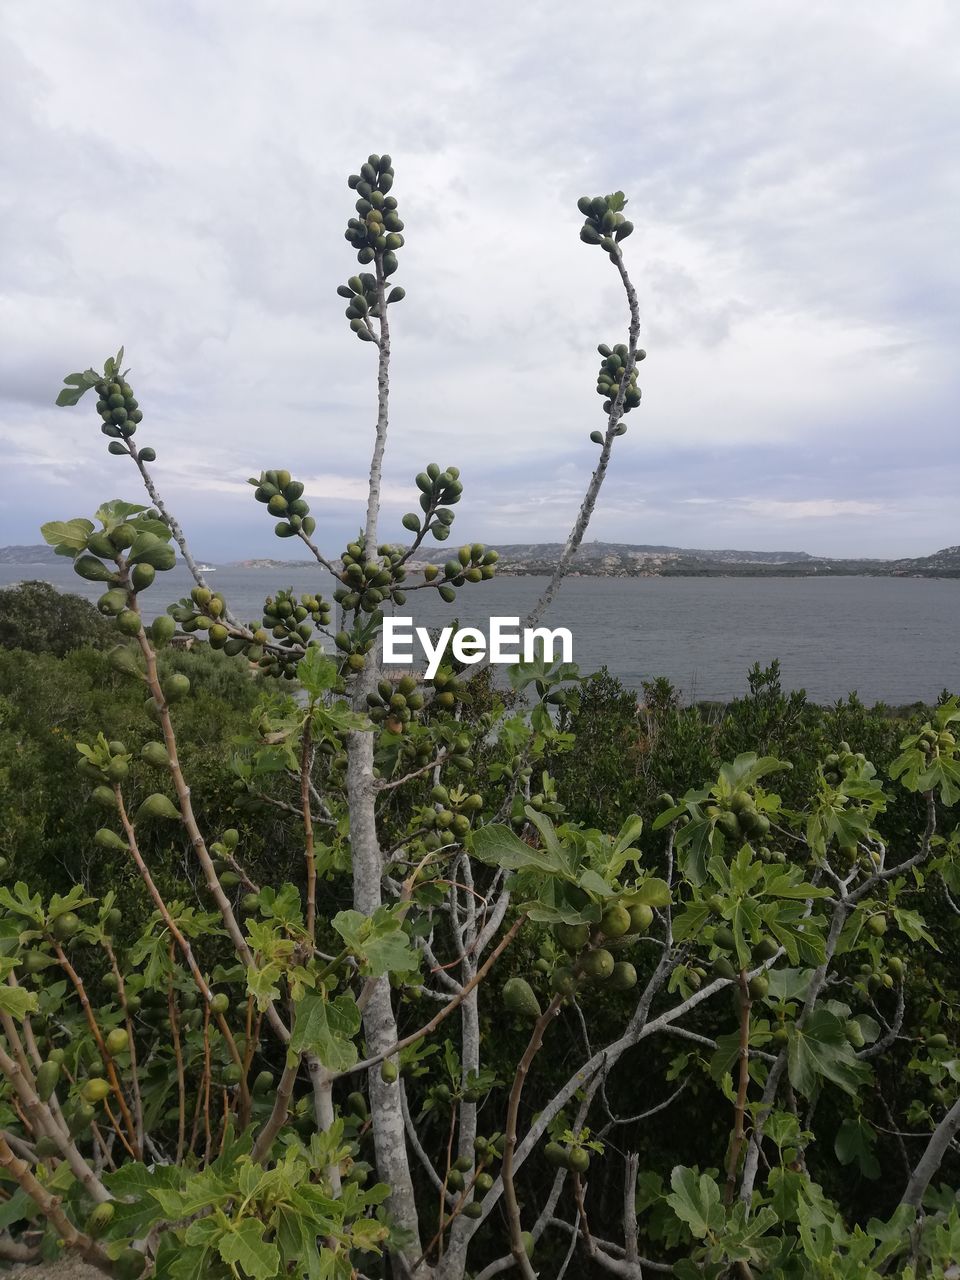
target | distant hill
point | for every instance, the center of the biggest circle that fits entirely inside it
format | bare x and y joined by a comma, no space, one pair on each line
39,553
618,559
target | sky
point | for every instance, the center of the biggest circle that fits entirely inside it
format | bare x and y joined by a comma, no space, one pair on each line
174,180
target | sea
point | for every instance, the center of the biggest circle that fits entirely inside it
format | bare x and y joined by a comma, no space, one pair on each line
892,640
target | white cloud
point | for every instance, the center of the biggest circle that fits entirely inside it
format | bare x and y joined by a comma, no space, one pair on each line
809,508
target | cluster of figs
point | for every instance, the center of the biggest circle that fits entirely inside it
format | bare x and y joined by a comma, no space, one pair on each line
838,763
440,489
153,554
589,958
451,816
363,300
378,226
120,415
604,222
367,582
613,369
737,817
283,498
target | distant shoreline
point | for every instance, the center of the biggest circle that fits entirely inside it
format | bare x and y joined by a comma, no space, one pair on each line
614,560
543,571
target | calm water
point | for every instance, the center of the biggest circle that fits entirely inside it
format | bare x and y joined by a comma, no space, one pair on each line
890,639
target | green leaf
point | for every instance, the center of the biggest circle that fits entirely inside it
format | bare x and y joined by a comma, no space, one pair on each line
244,1246
498,846
628,833
201,1191
17,1001
728,1048
855,1141
819,1050
71,534
70,395
789,984
378,942
115,512
747,769
696,1201
594,883
20,1205
912,924
316,671
326,1028
694,844
944,772
653,891
136,1215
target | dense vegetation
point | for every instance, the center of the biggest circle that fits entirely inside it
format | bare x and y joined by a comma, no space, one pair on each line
310,971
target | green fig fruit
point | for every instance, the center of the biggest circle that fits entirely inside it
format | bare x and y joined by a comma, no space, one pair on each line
624,976
572,937
759,987
142,576
65,926
598,964
80,1118
641,917
155,754
389,1071
95,1090
615,921
105,797
99,1219
128,622
107,839
117,1041
162,629
854,1034
92,569
112,601
123,659
48,1077
519,997
176,687
157,806
357,1106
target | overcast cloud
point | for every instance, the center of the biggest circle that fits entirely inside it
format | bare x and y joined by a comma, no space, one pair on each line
174,179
